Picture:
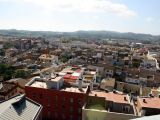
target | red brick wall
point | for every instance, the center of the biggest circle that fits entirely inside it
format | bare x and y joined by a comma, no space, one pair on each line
60,107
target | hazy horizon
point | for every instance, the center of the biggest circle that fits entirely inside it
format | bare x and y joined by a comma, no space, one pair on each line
79,30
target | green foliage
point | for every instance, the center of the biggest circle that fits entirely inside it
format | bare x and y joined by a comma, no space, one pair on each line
2,52
65,41
82,34
136,63
95,115
20,74
65,57
7,45
7,71
97,107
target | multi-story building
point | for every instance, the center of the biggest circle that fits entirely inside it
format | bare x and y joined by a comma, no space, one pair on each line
102,105
108,84
48,59
147,106
72,73
60,102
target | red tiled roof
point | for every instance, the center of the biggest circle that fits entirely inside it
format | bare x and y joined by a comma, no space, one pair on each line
70,78
110,96
150,102
67,76
79,70
116,97
74,77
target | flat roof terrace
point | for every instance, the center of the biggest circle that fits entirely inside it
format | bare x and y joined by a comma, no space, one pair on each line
42,84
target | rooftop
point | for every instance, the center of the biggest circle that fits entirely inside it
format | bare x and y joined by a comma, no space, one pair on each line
47,56
55,78
74,89
153,117
39,84
19,108
149,102
108,82
6,87
110,96
21,82
71,73
42,84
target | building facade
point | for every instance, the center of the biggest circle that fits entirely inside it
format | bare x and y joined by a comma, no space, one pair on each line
59,103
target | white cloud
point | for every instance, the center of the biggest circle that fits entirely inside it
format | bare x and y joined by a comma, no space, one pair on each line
81,6
149,19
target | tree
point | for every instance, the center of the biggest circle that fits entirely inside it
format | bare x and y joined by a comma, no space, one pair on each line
2,52
8,74
136,63
20,73
6,71
64,57
7,45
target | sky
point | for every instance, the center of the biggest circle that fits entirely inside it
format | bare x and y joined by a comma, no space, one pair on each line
139,16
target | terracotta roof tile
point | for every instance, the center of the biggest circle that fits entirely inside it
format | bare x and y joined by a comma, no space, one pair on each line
110,96
150,102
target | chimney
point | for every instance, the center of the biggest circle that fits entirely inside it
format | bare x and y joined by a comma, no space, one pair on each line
150,95
144,100
89,89
114,91
125,98
80,83
91,85
1,85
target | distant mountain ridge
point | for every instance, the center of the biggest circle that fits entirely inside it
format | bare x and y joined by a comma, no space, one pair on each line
81,34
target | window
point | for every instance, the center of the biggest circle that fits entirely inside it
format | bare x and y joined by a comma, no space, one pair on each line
56,115
56,106
56,98
64,99
49,114
71,117
63,116
71,100
90,100
79,118
79,110
126,109
79,101
63,106
49,102
71,109
34,95
40,96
